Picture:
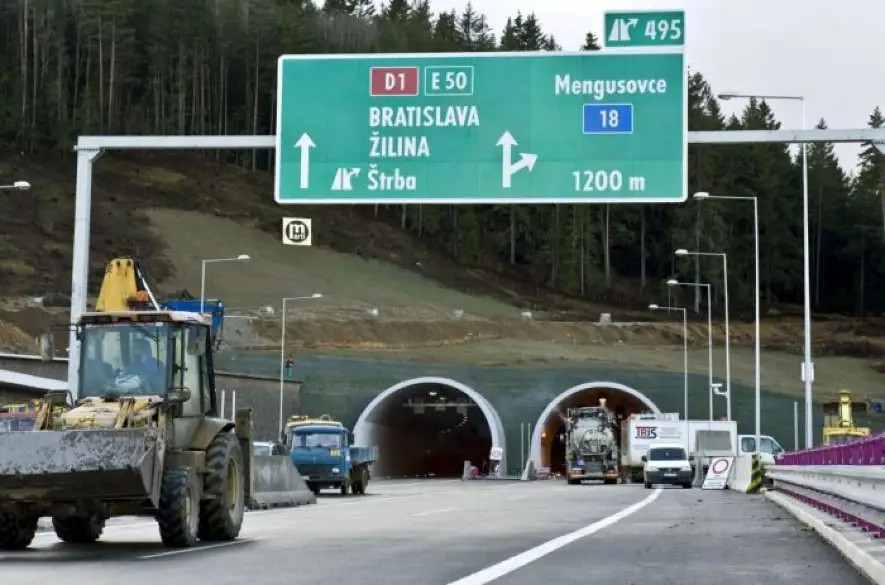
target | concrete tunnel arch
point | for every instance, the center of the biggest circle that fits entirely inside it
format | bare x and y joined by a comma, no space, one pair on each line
594,389
363,431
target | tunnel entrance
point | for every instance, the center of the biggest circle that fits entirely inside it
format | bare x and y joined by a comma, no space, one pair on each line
548,442
428,427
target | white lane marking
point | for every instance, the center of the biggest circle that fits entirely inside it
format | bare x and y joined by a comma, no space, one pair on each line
430,512
533,554
196,549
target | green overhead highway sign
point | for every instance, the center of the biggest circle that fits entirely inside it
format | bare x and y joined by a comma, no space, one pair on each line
482,128
645,29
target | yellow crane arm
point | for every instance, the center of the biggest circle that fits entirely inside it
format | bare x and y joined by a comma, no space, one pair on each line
124,288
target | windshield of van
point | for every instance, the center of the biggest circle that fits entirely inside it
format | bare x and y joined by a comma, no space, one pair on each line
667,454
321,440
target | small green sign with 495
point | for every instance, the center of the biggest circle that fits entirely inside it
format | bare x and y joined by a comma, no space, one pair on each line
665,28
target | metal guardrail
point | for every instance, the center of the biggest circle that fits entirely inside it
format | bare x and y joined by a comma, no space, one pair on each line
846,481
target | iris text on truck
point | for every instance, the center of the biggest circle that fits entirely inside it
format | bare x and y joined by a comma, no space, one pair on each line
646,433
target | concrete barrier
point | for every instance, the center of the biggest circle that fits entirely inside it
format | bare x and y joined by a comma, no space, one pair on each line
742,474
277,484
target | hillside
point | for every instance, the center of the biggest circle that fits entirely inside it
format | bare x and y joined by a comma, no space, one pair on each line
36,228
174,211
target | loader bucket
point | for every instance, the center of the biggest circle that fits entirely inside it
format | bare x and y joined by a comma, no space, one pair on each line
77,464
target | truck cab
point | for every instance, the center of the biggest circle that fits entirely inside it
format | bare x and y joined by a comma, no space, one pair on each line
322,449
769,448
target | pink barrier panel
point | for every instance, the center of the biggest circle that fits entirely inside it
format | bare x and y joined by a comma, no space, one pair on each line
869,451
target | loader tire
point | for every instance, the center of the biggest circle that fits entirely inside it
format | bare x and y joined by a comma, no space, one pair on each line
179,511
17,530
78,529
221,517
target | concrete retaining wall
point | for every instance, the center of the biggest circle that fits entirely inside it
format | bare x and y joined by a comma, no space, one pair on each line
344,386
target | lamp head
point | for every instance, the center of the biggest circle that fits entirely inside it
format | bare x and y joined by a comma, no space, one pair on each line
316,296
243,257
653,307
672,282
701,195
21,185
681,252
728,95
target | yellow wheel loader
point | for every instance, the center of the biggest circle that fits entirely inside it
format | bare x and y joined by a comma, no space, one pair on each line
143,438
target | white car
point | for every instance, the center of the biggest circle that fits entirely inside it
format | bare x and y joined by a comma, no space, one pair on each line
667,464
266,449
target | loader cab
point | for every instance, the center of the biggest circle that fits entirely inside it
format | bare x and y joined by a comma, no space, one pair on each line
148,353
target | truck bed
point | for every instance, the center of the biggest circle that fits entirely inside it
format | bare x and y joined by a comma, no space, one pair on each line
360,455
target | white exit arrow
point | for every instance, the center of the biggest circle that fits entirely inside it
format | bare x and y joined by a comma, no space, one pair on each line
305,144
508,167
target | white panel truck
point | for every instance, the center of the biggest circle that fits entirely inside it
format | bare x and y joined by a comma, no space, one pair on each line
643,431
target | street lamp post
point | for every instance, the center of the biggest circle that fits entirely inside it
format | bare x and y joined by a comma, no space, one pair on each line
674,282
758,353
807,366
203,274
683,252
17,185
684,353
283,350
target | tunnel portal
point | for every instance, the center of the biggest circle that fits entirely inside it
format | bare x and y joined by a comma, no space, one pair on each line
428,427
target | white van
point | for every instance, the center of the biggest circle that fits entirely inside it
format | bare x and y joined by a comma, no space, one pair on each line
667,464
768,447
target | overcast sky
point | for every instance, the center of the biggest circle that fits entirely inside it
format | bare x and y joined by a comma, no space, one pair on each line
829,52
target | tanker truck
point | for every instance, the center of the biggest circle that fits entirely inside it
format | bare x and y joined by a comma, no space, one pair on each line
591,445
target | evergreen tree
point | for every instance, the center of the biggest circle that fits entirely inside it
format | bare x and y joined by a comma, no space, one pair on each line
160,67
591,42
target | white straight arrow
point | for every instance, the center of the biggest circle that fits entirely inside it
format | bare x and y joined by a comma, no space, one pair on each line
305,144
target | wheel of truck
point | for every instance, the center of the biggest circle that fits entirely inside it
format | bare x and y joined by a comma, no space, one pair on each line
222,516
78,529
314,488
364,481
345,487
359,482
179,512
647,485
17,530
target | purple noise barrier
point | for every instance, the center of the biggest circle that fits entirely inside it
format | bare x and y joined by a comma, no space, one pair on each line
868,451
861,452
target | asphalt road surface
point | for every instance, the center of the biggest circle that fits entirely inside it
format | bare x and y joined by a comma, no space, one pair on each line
467,533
